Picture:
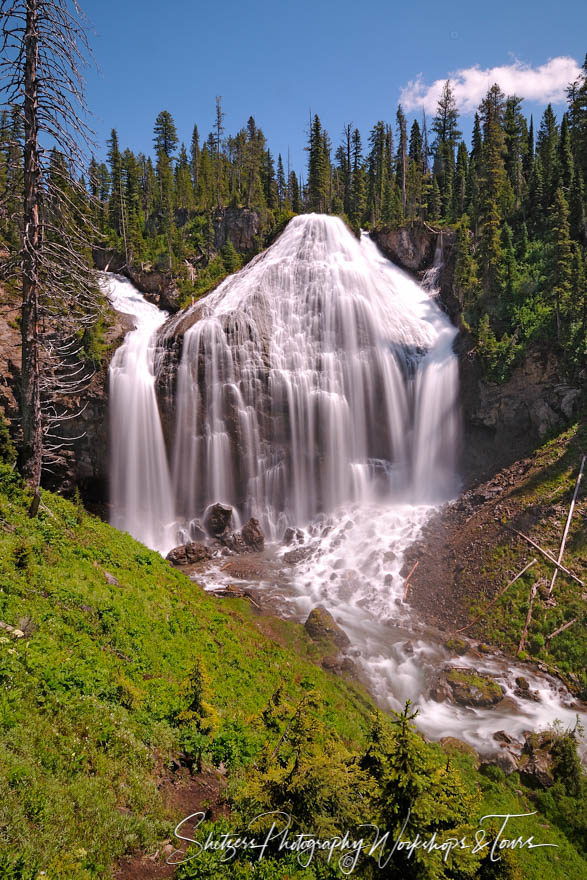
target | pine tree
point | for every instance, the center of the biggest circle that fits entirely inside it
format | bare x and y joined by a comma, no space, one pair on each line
460,182
577,98
445,127
318,169
559,258
281,184
195,157
514,147
493,181
293,193
547,151
115,162
218,132
402,154
183,182
269,184
565,163
577,208
165,134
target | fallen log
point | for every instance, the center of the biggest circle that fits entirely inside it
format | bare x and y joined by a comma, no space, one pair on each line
561,629
533,591
546,554
568,524
407,584
495,598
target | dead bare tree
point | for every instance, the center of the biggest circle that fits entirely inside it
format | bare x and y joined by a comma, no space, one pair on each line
43,49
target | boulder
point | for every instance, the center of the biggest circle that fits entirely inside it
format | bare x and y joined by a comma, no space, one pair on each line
253,534
189,554
536,764
322,625
293,536
218,519
471,688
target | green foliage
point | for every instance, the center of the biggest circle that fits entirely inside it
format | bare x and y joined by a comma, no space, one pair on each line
7,450
497,356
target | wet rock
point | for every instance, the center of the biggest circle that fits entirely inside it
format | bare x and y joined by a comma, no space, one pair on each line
330,663
253,534
322,625
218,519
197,532
471,688
189,554
300,554
408,649
440,692
523,691
483,648
501,736
536,763
388,580
348,667
233,541
505,760
293,536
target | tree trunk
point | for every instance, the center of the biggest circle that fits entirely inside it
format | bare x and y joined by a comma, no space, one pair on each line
32,447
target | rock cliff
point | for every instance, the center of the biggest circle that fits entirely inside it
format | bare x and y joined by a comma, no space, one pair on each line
501,422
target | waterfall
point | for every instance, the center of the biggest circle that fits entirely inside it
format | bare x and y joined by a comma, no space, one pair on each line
140,486
318,376
315,388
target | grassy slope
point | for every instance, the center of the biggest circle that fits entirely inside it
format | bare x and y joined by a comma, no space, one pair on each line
538,507
87,701
88,698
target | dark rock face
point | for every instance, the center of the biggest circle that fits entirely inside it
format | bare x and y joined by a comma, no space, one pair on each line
414,247
504,422
158,287
322,625
240,226
536,763
218,519
252,534
189,554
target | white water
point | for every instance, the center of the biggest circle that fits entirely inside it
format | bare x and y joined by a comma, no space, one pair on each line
316,388
140,488
318,376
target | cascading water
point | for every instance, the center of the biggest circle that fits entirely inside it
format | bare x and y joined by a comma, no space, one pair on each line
315,388
318,376
140,496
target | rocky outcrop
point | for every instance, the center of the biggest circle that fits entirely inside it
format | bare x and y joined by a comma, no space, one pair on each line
158,287
502,423
418,248
253,534
470,688
189,554
218,519
322,625
82,462
240,226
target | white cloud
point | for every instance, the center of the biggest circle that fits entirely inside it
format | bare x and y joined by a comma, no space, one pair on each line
545,84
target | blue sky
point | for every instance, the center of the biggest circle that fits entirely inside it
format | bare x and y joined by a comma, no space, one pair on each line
346,61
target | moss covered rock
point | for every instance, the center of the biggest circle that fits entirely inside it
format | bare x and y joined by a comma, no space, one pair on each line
473,688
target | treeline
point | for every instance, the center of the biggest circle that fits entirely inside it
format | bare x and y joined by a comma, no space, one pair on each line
516,198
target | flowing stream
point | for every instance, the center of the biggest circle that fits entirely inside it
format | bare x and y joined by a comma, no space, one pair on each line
317,390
